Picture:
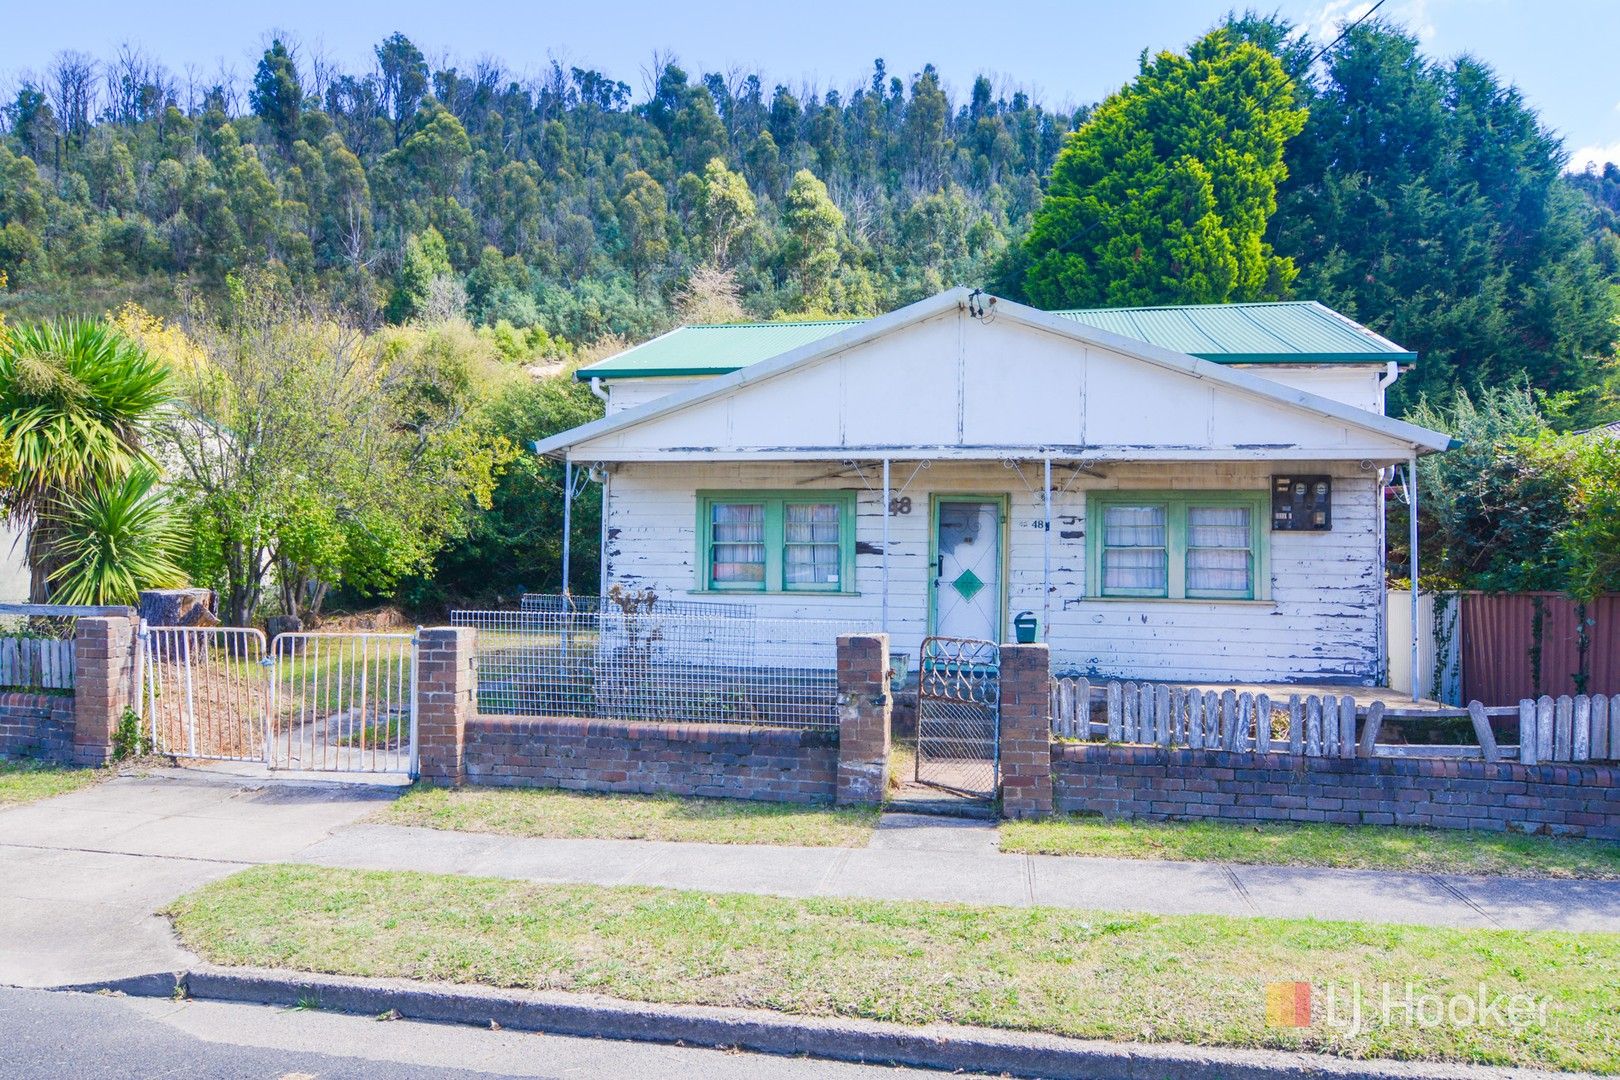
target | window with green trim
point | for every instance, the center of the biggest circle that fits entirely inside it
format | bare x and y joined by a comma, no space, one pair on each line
764,541
1178,545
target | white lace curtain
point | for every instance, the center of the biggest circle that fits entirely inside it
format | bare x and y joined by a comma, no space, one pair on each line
1218,540
738,543
1134,548
810,555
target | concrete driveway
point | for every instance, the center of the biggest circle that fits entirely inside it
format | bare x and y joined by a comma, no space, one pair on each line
81,874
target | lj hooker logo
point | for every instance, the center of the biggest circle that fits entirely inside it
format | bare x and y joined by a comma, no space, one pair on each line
1288,1004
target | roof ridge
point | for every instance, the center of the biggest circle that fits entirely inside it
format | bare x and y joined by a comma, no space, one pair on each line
770,322
1188,307
854,320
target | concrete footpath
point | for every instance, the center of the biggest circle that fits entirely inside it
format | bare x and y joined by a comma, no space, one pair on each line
912,857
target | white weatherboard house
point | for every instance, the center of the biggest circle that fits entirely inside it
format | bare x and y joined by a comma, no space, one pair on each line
1190,493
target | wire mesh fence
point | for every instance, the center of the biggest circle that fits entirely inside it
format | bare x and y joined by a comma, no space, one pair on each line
673,667
559,603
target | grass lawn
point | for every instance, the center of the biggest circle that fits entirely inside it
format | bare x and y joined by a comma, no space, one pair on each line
30,781
1188,979
1370,847
540,812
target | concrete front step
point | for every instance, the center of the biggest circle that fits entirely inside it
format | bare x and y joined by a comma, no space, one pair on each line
914,798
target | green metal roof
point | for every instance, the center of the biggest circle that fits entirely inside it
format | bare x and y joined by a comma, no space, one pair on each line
1286,332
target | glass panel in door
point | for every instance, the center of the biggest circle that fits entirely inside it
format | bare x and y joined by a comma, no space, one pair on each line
967,569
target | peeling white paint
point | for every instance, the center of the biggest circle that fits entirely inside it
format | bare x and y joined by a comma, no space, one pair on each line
1322,620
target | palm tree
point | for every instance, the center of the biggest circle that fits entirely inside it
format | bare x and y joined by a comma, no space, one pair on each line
114,539
75,398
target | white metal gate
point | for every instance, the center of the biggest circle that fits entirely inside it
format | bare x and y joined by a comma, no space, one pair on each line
323,702
203,691
959,716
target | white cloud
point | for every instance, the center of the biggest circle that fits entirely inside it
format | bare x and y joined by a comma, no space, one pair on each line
1325,25
1334,15
1594,156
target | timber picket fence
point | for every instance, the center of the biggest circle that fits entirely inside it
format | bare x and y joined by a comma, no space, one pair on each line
36,663
1579,728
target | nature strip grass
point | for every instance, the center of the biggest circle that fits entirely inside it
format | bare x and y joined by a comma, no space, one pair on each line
1187,979
29,781
540,812
1370,847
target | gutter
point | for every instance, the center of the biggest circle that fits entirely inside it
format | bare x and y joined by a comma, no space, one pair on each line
947,1047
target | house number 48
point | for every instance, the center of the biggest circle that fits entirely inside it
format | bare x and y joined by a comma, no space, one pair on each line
900,504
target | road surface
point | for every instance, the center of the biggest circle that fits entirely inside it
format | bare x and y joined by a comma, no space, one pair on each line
66,1036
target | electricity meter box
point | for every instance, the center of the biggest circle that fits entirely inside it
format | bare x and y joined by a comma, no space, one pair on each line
1301,503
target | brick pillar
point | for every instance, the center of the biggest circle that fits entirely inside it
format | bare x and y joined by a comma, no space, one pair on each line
446,683
1026,731
103,684
863,718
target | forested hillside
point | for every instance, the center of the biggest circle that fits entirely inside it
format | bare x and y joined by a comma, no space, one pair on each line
560,202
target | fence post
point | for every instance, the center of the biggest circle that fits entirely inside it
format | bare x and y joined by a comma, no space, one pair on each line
103,684
1026,731
864,707
445,690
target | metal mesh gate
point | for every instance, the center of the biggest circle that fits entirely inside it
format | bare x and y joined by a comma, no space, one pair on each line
324,702
959,715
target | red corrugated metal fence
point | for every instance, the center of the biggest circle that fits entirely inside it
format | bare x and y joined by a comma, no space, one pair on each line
1505,658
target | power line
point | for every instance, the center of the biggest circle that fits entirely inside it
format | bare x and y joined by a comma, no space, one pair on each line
1363,17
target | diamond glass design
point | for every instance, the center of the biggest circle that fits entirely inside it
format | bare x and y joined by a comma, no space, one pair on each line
968,584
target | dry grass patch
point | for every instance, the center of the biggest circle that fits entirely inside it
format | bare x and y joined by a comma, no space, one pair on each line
585,815
1364,847
1186,979
29,781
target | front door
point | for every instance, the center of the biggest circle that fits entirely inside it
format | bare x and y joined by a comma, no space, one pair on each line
967,568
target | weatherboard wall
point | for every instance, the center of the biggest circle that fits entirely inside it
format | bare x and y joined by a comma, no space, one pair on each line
1356,385
1321,621
628,393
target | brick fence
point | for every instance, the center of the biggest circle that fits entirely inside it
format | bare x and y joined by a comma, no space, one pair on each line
850,764
77,728
722,760
1153,783
36,725
1026,731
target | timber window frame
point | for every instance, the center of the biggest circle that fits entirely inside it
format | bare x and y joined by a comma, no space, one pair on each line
1174,507
773,512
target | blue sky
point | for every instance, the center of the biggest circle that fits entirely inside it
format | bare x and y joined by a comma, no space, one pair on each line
1560,53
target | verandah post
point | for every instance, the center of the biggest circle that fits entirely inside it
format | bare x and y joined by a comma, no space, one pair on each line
568,521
